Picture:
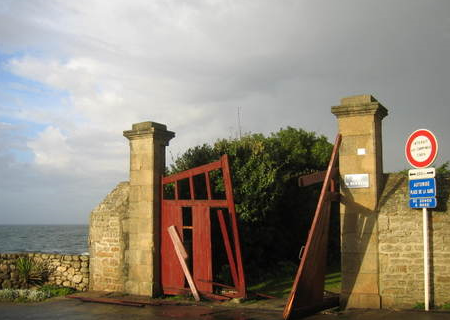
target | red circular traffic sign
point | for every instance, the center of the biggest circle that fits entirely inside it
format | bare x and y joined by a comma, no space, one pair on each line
421,148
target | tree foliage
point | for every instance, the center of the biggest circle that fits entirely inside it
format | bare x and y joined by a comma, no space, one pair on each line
275,214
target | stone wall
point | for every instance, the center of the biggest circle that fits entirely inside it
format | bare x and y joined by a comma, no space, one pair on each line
401,246
64,270
106,241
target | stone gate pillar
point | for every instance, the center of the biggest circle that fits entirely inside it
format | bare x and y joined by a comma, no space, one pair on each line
148,141
361,170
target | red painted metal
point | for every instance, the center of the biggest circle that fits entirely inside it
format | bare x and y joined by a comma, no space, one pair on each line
172,276
309,281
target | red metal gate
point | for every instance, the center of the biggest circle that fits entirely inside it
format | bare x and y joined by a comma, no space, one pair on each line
192,200
307,290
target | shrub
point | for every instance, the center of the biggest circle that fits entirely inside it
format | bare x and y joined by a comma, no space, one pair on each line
275,214
26,295
31,272
22,295
8,294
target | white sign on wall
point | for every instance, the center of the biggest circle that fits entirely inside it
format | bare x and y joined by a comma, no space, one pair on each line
357,180
424,173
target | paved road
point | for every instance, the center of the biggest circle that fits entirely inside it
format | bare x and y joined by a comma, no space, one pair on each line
69,309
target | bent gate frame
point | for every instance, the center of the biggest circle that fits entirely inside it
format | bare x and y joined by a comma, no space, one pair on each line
308,287
172,276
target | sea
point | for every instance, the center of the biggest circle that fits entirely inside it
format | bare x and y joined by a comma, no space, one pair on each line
62,239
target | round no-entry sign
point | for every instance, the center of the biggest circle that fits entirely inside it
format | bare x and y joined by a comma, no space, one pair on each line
421,148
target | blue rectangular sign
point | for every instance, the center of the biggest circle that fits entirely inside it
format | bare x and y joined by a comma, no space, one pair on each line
422,188
423,203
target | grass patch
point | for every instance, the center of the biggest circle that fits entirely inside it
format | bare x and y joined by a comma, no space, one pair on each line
446,306
419,306
333,282
56,291
280,284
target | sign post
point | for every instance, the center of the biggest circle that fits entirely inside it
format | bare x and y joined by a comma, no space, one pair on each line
421,151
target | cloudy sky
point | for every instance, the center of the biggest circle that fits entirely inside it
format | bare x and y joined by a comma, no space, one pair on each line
75,74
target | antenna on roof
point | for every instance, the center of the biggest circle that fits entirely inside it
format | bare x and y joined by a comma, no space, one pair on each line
239,122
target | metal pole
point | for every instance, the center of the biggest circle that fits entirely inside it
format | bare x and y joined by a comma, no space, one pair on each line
426,271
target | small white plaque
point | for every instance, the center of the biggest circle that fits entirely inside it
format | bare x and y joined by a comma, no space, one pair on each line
361,151
359,180
425,173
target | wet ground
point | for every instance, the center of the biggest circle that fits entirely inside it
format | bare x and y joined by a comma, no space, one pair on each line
71,309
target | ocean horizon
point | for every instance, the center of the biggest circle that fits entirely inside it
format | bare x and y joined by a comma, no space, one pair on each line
44,238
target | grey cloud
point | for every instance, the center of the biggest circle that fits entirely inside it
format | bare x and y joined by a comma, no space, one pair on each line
192,64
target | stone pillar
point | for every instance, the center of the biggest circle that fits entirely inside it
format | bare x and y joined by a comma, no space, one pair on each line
148,141
359,119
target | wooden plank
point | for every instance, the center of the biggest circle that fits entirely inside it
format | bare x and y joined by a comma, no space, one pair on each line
208,186
314,178
226,241
202,248
215,296
108,301
191,187
332,196
192,203
263,295
182,255
176,190
234,227
308,284
217,284
192,172
171,273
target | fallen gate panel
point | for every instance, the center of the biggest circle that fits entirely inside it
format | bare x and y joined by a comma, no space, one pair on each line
307,290
196,205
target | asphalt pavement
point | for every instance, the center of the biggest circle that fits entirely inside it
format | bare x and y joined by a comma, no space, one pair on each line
71,309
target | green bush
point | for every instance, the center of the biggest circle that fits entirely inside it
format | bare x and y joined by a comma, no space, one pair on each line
275,214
